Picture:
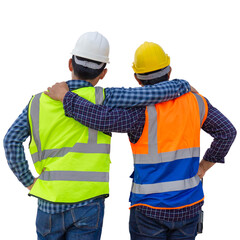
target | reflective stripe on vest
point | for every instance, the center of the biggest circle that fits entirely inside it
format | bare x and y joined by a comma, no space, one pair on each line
166,186
75,176
91,147
201,106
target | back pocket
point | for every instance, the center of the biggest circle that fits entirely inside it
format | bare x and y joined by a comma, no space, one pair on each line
43,223
87,216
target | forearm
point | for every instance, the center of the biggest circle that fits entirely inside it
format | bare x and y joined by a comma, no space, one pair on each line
101,118
17,163
204,166
147,95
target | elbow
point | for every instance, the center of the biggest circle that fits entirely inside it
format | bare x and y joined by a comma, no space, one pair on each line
8,141
234,133
231,135
5,141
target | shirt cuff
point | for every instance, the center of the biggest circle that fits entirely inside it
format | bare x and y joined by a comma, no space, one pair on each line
27,179
185,89
210,158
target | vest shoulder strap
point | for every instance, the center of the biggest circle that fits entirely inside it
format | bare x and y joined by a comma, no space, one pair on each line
203,107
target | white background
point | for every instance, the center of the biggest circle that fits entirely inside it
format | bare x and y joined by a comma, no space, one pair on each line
202,39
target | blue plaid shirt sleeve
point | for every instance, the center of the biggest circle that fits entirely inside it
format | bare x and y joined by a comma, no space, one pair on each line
147,95
14,150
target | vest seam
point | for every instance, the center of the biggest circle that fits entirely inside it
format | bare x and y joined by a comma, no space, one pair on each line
98,196
162,208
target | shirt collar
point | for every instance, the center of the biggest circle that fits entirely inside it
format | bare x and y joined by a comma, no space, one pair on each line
75,84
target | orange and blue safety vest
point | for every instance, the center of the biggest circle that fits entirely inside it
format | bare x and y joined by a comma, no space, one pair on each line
166,157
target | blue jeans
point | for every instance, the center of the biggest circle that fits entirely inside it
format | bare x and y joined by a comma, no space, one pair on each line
83,223
144,228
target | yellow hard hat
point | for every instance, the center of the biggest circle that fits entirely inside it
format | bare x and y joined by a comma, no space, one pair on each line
150,57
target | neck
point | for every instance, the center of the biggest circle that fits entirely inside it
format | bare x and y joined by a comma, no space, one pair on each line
92,81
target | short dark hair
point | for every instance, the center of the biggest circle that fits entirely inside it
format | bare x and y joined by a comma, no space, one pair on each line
155,80
85,73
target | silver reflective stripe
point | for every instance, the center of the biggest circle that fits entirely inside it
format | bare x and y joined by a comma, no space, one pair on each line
99,95
34,112
77,148
152,132
166,186
201,106
166,156
75,176
91,147
92,133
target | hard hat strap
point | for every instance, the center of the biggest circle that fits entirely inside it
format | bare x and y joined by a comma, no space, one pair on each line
87,64
154,75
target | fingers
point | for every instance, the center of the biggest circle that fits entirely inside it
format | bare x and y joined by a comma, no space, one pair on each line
49,89
47,92
57,91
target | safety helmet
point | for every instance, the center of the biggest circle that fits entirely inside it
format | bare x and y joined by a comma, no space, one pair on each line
93,46
150,57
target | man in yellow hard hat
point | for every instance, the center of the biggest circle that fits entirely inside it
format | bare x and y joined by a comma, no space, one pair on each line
167,195
73,160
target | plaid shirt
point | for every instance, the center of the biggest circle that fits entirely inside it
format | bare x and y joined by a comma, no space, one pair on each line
132,121
114,97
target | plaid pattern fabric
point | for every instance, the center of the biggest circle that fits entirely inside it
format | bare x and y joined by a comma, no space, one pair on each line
14,150
147,95
53,208
174,215
20,131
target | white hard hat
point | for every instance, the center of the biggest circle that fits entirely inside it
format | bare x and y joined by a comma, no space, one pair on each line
93,46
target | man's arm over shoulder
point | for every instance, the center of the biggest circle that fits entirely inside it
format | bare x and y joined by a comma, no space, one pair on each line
131,97
147,95
14,150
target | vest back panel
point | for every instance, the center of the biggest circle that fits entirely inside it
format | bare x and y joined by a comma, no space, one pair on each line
72,160
166,157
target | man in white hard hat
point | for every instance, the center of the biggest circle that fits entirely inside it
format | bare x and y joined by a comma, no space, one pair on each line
73,160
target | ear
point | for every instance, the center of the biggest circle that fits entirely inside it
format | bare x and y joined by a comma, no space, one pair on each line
139,82
169,73
70,65
103,73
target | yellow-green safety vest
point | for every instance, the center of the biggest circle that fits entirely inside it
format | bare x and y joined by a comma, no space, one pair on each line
71,159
